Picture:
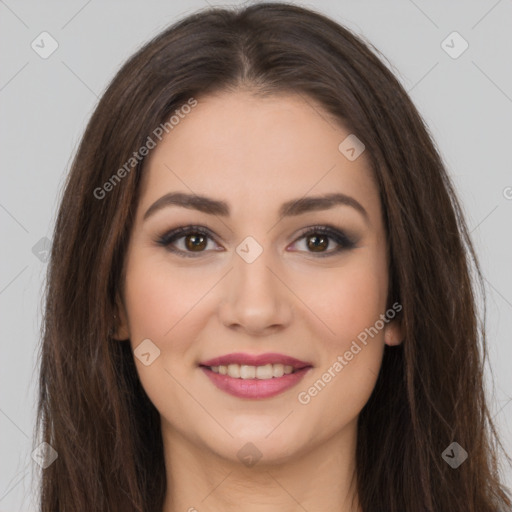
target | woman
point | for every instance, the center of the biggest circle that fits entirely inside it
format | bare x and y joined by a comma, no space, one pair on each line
259,294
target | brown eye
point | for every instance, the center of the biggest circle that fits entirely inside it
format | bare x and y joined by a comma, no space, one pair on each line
187,241
317,243
191,241
318,239
195,242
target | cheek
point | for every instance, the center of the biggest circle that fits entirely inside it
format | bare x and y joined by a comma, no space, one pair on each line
158,297
160,301
352,302
349,299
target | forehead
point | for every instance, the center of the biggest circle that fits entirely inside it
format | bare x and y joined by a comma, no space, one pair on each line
254,151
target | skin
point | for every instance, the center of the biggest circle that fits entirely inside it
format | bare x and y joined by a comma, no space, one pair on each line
255,154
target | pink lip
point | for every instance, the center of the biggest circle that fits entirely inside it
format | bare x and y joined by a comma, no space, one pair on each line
256,360
255,388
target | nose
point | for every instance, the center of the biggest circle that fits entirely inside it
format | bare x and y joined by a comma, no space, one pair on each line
256,299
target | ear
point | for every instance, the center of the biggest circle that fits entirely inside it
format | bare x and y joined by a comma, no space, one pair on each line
393,333
120,327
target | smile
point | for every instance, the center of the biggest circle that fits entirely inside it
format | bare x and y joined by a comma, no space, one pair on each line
239,371
267,376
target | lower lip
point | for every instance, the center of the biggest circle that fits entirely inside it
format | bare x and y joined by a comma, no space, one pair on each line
255,388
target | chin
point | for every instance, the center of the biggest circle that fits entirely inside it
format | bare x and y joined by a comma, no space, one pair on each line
259,440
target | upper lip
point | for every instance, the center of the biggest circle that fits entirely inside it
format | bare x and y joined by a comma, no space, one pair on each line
256,360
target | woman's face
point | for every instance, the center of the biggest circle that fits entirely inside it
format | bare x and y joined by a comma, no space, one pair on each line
256,281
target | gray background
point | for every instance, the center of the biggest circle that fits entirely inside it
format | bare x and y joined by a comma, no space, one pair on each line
45,103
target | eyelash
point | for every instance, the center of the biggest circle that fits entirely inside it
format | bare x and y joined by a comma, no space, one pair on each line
343,241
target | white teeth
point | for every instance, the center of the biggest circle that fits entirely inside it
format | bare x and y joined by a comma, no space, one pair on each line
268,371
264,372
278,370
288,369
247,372
234,371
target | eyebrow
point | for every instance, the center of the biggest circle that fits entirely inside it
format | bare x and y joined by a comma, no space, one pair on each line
288,209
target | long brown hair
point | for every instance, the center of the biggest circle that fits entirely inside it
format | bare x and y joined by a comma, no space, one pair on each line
430,392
